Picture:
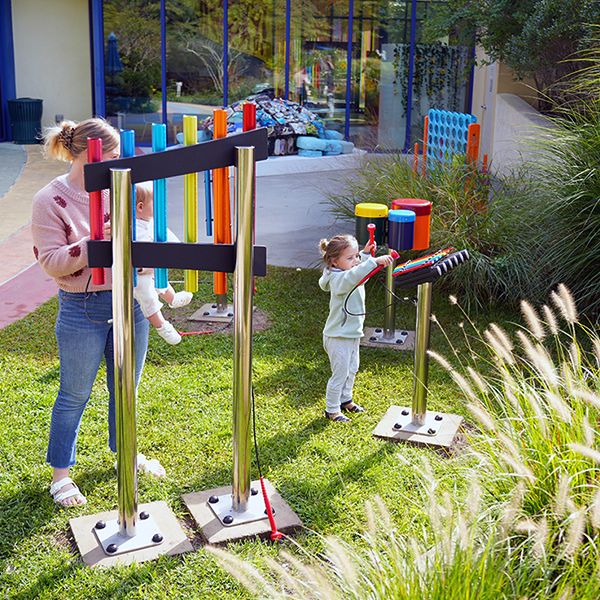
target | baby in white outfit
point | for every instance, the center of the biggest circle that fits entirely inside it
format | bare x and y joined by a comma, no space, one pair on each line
145,292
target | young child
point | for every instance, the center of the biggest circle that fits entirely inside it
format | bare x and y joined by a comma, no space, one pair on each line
145,292
344,268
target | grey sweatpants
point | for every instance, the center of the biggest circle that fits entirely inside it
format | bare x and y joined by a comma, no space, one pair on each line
344,358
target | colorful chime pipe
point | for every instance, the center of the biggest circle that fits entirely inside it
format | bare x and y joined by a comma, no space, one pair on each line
94,154
190,196
159,143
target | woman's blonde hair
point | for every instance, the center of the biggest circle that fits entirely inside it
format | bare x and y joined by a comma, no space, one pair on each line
69,139
333,248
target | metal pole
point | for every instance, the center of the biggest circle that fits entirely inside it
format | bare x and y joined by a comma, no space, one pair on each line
124,351
389,319
242,318
419,406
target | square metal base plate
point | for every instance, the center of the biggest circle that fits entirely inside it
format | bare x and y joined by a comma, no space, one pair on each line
222,506
209,313
216,532
439,429
401,340
174,539
147,533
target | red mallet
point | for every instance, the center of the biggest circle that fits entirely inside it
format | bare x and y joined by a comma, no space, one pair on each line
275,534
371,228
376,270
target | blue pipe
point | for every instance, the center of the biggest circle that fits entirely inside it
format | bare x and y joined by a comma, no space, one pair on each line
225,52
208,202
349,69
411,66
163,59
159,143
288,20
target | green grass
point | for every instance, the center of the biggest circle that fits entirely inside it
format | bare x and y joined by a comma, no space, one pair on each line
324,471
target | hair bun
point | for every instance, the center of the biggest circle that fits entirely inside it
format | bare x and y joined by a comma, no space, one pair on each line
65,137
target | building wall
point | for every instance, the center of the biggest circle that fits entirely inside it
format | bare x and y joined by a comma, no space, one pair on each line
52,56
509,84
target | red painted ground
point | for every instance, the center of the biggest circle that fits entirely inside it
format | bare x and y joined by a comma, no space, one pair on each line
24,293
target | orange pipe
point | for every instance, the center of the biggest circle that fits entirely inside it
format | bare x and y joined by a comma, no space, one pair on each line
221,202
416,158
473,143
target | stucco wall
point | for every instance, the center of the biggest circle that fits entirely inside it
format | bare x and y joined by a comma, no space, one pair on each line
509,84
52,56
517,124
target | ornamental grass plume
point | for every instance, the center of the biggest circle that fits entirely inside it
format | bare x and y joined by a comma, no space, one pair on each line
465,550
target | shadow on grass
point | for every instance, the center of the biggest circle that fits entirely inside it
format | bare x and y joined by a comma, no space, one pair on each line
278,449
31,509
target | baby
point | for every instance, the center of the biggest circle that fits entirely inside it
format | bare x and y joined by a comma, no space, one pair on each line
145,292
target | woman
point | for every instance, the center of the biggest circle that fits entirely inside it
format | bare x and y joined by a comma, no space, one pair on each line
60,229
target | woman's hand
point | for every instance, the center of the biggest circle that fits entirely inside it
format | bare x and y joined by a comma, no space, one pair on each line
384,260
106,231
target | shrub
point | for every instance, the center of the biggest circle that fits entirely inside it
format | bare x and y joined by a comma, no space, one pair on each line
488,216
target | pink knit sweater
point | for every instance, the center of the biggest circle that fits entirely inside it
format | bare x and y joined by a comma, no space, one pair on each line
60,229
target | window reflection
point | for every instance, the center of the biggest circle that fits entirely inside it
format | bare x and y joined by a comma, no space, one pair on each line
371,101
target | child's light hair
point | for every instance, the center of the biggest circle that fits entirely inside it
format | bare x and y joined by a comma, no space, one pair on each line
333,248
143,192
69,139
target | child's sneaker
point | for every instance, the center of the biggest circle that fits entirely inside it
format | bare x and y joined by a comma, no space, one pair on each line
168,333
181,299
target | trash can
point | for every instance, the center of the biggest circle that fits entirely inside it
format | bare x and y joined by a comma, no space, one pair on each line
26,120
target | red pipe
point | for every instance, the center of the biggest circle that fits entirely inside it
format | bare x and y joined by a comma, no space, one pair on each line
94,154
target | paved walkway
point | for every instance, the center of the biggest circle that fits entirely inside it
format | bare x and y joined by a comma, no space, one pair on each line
291,218
23,285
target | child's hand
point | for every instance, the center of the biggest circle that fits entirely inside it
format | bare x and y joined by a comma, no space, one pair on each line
384,260
370,247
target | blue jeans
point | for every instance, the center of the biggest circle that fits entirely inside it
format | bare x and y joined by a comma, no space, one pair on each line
84,336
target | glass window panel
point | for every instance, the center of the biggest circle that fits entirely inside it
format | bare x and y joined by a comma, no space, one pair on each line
195,61
381,43
132,65
256,47
441,74
318,58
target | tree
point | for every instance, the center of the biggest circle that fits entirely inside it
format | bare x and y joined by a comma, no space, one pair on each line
535,38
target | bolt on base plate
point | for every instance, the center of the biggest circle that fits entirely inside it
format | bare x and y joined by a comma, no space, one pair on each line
401,339
211,313
222,506
147,533
438,429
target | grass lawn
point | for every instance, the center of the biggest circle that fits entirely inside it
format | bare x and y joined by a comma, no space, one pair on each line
325,471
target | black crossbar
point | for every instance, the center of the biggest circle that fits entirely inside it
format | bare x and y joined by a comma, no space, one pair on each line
178,161
200,257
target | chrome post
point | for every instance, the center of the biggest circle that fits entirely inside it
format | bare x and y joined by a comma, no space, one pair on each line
242,317
389,320
421,370
124,350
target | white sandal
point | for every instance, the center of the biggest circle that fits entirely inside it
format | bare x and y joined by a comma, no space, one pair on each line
152,466
59,497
